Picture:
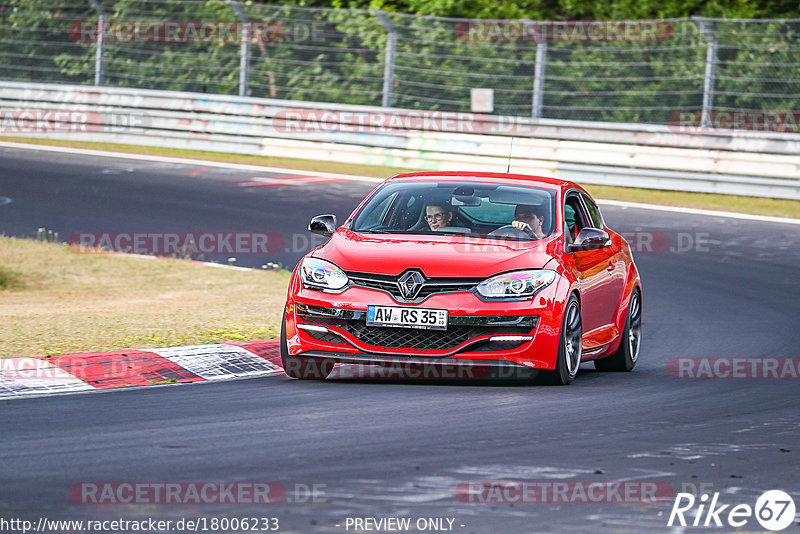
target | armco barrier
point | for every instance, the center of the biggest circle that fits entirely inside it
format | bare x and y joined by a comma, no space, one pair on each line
744,163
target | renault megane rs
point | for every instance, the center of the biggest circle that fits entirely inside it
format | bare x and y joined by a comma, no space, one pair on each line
498,271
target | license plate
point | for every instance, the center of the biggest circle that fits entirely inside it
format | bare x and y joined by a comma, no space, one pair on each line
407,317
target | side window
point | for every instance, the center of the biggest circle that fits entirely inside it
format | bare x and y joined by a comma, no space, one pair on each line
596,220
575,218
573,215
569,224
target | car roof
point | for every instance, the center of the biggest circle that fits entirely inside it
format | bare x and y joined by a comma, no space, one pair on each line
491,177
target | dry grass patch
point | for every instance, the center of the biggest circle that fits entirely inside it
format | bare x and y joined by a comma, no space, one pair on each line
57,300
10,279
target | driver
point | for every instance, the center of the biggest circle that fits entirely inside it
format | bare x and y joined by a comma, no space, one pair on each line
530,218
438,214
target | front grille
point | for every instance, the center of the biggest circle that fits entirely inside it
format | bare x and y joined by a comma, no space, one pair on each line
429,287
460,330
413,338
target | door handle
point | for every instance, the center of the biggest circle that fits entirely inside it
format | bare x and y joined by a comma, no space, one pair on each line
610,267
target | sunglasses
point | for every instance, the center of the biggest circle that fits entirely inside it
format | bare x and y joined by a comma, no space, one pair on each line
434,217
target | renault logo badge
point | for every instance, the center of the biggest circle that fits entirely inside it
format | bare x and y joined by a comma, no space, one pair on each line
410,283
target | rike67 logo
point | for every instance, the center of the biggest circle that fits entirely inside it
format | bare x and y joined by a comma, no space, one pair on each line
774,510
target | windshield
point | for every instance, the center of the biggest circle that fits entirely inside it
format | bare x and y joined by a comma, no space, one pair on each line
496,211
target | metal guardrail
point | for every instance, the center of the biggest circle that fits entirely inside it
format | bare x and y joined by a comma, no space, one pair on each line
651,156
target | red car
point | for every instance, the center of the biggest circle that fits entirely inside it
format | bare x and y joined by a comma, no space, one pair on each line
484,270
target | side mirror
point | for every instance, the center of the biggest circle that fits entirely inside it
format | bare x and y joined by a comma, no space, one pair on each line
590,239
323,225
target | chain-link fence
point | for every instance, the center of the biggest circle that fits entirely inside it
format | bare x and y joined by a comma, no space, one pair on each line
629,71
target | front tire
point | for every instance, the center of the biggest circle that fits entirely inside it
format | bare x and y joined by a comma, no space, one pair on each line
628,352
302,368
570,345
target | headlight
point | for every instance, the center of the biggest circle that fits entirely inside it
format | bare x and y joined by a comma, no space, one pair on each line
321,274
516,285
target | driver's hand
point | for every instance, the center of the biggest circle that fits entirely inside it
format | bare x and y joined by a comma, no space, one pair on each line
519,225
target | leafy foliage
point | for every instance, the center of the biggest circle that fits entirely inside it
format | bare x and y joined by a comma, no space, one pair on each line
326,53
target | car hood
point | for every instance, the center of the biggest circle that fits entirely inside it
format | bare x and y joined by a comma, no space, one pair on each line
446,255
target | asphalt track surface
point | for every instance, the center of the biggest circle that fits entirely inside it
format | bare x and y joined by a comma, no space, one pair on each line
397,448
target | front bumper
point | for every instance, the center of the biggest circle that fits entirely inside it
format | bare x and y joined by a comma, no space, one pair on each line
522,333
381,366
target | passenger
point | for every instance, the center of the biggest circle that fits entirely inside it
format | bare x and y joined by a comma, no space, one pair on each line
438,214
529,217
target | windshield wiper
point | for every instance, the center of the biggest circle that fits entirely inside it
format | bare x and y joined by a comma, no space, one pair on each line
512,238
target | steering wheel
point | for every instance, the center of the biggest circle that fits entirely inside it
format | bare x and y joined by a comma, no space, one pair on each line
510,231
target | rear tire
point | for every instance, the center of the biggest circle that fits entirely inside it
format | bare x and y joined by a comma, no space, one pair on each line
302,368
628,352
569,346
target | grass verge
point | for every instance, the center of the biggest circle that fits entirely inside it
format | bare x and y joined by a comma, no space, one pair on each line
739,204
57,300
